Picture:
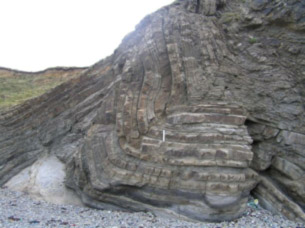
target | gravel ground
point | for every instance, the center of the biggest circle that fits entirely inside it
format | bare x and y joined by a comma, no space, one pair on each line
19,210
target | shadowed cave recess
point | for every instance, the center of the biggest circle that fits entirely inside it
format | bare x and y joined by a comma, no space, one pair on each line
202,104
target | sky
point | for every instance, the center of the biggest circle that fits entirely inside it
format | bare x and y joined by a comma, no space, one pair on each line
38,34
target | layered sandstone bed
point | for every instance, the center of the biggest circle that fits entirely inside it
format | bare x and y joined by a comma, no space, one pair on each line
202,104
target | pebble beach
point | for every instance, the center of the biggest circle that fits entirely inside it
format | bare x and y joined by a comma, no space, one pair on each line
19,210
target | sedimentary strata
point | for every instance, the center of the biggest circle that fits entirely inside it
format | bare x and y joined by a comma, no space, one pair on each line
201,104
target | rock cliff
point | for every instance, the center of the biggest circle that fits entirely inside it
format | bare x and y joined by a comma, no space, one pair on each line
202,104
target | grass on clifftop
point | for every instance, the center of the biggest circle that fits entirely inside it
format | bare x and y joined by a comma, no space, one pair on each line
15,88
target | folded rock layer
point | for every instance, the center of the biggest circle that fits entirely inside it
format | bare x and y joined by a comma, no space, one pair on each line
198,169
162,124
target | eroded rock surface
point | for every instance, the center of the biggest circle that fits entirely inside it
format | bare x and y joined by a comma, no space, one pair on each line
200,170
162,124
44,180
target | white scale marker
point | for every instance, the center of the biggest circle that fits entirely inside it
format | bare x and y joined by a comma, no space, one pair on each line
163,135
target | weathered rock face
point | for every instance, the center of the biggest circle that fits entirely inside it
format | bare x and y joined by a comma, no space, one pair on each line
161,124
44,180
199,171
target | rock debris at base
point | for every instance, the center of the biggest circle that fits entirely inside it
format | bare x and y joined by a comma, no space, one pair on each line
18,210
